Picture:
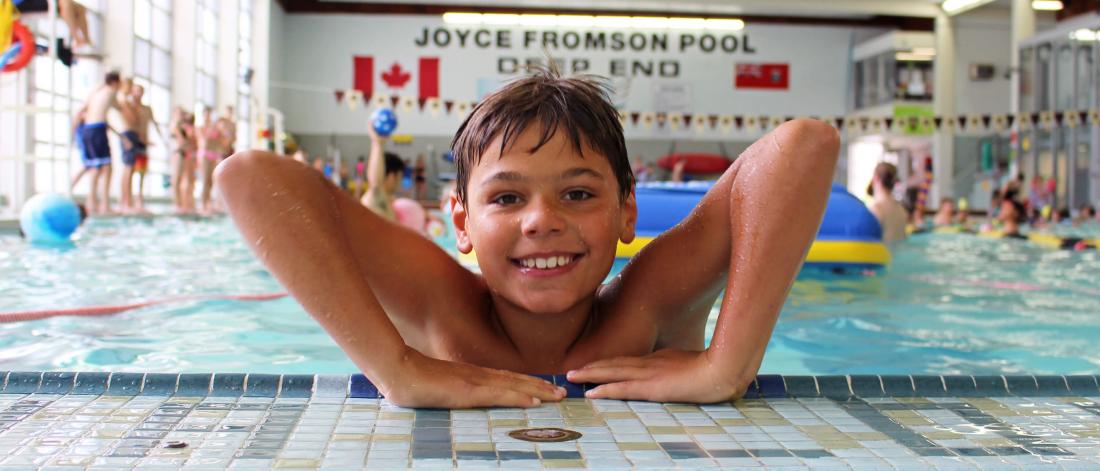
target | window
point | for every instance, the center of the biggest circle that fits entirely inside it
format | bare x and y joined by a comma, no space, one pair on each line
153,71
244,74
206,53
46,158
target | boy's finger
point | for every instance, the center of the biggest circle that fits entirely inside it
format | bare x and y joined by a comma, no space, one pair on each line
617,361
627,390
528,385
608,374
502,397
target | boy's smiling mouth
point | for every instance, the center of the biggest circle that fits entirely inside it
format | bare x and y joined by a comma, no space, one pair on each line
549,263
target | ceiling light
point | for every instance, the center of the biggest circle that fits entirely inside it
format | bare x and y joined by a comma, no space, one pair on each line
1084,34
1046,5
462,18
954,7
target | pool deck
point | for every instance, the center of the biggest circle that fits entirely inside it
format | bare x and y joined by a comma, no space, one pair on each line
235,421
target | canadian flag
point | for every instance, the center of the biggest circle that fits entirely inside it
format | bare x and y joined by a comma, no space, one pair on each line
394,77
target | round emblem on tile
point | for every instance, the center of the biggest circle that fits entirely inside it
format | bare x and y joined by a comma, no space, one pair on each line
547,434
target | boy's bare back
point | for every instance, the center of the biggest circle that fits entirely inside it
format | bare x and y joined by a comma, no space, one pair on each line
544,209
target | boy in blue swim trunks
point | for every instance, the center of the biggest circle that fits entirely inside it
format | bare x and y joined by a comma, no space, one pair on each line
544,194
97,151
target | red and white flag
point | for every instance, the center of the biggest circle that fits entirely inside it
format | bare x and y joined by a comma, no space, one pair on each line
394,76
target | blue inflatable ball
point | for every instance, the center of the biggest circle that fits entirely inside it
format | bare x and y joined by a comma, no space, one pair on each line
384,121
49,218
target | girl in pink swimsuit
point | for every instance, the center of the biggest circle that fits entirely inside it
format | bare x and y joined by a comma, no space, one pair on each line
211,151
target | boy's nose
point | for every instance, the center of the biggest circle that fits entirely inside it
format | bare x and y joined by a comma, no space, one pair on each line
542,218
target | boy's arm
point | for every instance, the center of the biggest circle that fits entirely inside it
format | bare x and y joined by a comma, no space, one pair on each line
376,162
749,235
360,276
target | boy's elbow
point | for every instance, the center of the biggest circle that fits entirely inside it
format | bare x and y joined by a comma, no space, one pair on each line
233,171
814,138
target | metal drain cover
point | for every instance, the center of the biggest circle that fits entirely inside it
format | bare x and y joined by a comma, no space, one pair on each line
546,434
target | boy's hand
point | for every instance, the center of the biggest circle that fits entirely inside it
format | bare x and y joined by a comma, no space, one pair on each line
428,382
664,376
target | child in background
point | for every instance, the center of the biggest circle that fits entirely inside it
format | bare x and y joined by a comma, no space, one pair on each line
544,194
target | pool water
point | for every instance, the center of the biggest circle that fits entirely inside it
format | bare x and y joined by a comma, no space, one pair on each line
949,304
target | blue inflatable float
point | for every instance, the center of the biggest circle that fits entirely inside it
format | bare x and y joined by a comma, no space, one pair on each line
849,237
49,218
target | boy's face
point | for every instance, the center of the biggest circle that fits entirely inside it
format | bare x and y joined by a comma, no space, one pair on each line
525,212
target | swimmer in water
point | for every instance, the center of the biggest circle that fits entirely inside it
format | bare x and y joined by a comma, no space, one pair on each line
544,195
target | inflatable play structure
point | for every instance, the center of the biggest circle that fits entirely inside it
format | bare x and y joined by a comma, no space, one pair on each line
849,238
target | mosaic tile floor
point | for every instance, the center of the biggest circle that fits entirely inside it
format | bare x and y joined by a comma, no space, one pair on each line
229,421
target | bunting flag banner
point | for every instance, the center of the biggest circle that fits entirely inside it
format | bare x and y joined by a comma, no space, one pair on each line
448,105
777,121
1094,117
876,125
393,101
634,115
675,119
339,96
851,124
379,101
355,98
974,122
1000,122
726,123
1071,119
1024,121
662,119
1046,120
408,103
435,108
462,108
699,122
622,118
647,119
713,120
739,122
751,124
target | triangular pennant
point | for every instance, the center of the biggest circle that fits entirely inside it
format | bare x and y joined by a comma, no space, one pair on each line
355,97
407,103
634,115
447,105
622,117
339,96
739,121
726,123
876,125
939,122
852,124
864,122
838,123
1094,117
1070,119
713,120
379,100
420,103
764,121
700,123
929,122
675,120
461,108
434,107
1000,122
889,122
750,123
647,119
778,121
687,119
661,119
394,99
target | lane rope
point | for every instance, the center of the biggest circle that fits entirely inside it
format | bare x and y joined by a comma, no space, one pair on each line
108,309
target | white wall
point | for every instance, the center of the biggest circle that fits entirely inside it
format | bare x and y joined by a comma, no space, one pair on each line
184,25
316,52
982,40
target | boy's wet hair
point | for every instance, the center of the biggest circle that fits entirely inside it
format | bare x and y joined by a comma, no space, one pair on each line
112,77
579,106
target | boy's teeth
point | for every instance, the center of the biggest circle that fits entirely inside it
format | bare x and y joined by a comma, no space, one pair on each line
545,263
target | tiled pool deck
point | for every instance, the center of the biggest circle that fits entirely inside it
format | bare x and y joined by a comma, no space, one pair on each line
204,421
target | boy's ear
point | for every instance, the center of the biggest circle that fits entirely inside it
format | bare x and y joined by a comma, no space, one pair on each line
630,219
458,216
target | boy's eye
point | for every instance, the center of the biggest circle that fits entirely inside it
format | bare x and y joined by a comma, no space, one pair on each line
577,195
506,199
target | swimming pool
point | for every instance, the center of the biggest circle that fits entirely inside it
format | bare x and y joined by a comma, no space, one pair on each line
949,304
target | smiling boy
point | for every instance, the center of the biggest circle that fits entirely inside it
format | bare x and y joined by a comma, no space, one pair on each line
544,195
